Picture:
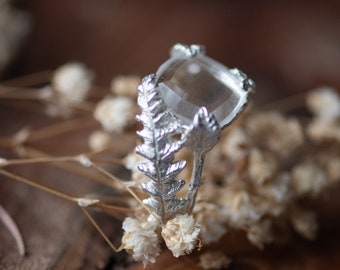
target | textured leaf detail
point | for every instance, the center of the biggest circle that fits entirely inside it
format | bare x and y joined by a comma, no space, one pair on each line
173,189
175,168
159,148
204,132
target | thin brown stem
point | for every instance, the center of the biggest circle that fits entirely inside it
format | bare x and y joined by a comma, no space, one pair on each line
30,79
61,128
112,210
78,170
37,160
119,182
95,224
38,185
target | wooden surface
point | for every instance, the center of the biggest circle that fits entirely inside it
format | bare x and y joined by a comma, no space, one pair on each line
284,47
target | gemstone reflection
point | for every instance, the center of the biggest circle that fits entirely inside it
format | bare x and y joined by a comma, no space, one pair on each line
188,83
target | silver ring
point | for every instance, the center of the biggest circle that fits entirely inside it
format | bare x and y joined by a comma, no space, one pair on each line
186,103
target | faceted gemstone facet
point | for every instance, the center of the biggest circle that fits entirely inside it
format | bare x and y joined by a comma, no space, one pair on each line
188,83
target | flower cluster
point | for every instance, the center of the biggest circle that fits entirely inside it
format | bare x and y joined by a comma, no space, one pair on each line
72,82
265,163
117,111
181,234
141,239
70,85
255,177
142,236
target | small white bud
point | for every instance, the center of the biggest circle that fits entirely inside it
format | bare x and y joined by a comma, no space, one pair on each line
84,160
84,202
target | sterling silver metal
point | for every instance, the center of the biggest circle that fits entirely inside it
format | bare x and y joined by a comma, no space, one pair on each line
164,135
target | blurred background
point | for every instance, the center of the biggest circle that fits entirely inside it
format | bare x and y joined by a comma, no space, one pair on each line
285,46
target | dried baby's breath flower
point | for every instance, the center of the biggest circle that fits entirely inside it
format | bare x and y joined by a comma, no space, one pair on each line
304,222
115,113
260,233
85,202
99,139
262,166
277,192
211,220
321,130
333,168
324,102
239,210
236,144
308,178
214,260
141,239
3,161
125,85
279,134
181,234
71,82
209,192
84,160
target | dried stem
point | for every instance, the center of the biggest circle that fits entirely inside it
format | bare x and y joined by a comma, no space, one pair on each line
95,224
39,186
31,79
61,128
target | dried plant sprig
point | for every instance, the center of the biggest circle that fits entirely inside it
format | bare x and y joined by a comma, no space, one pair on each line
181,234
141,238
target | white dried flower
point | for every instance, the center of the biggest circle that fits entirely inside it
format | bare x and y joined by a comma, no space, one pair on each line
141,239
236,144
238,208
99,139
115,113
3,162
278,191
214,260
181,234
308,178
261,166
85,202
321,130
324,102
212,221
71,82
304,222
209,192
84,160
333,168
260,233
279,134
125,85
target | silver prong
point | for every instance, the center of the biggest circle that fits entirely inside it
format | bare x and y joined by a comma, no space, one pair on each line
180,49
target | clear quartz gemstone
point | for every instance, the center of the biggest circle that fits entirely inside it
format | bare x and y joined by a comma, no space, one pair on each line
188,83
